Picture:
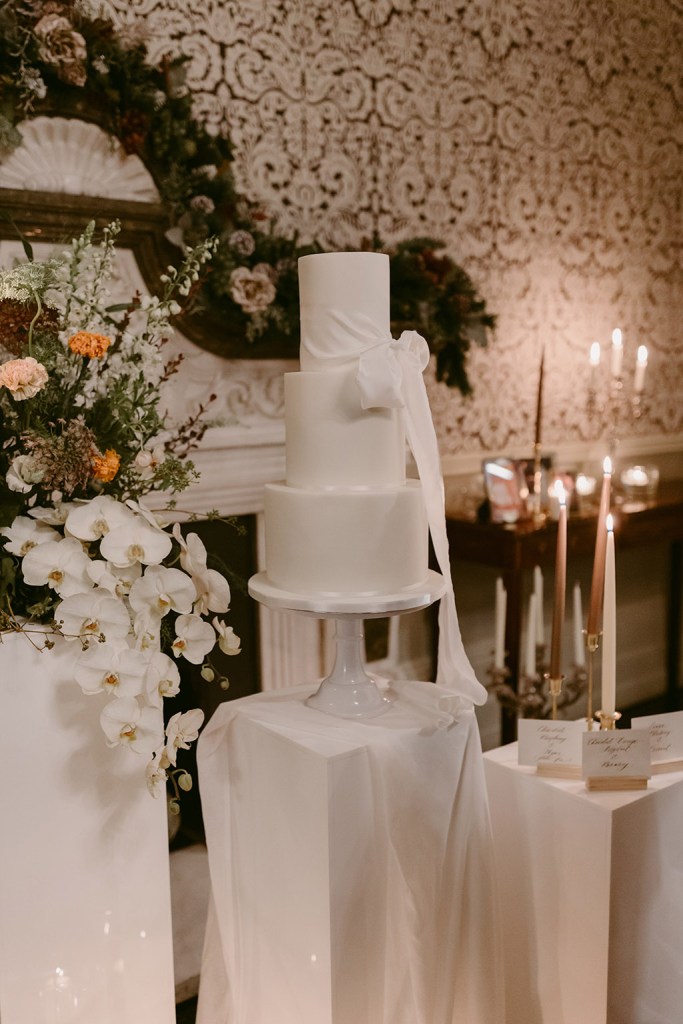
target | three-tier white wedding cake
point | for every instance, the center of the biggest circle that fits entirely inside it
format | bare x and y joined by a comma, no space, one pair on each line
345,521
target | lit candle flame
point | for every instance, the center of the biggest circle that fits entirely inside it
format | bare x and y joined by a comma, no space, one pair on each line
641,358
609,522
595,354
617,338
560,492
607,466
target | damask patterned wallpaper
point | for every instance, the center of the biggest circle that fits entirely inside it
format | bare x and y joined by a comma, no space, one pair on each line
542,141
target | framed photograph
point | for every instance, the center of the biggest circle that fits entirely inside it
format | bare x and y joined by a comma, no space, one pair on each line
506,489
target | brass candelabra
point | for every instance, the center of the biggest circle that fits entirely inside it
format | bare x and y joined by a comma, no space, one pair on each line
538,696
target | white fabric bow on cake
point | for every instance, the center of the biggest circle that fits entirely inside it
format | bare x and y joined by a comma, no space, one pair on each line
390,375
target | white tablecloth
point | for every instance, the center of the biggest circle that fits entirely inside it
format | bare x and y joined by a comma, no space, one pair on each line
392,811
591,888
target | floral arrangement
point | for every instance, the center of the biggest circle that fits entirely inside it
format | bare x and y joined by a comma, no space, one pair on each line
83,439
54,55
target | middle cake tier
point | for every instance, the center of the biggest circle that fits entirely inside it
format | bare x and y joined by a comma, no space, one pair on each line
346,541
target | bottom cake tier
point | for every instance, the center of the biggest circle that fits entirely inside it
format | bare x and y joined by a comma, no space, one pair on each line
346,542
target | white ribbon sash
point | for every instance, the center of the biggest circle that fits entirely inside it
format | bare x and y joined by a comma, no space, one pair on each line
390,374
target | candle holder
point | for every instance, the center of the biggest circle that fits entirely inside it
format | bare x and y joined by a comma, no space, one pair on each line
534,698
555,688
609,409
608,720
592,645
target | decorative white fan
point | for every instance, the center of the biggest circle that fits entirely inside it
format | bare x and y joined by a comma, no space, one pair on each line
60,154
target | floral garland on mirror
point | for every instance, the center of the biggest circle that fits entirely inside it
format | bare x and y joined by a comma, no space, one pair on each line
83,438
55,55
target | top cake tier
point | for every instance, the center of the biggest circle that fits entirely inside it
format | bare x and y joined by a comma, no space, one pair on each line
344,299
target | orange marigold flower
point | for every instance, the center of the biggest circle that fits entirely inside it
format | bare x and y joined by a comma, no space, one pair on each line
86,343
105,467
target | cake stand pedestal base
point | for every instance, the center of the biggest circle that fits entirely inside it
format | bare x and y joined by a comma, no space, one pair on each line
348,691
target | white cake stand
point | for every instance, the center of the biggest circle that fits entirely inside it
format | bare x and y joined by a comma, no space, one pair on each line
348,691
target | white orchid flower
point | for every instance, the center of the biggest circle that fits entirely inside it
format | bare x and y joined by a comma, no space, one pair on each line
154,519
192,551
116,579
156,776
54,515
93,614
194,638
182,730
126,724
25,533
162,590
147,630
148,460
97,517
162,679
228,641
61,564
114,670
213,590
135,542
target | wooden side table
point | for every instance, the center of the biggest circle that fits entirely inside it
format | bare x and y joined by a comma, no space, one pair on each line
516,549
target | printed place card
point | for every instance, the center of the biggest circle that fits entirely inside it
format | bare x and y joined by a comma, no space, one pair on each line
666,736
616,753
543,743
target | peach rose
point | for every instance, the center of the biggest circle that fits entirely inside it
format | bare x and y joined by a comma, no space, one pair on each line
23,377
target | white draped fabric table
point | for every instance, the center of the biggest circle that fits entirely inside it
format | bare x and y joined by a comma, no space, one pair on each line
351,865
591,887
85,902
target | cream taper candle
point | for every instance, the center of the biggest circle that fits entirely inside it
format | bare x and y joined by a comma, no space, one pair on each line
609,626
530,659
560,586
617,352
594,359
641,366
579,649
593,625
538,591
501,608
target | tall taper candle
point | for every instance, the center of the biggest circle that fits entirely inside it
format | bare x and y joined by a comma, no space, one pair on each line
579,652
593,625
538,591
501,608
530,659
594,359
641,366
609,628
539,402
617,352
560,586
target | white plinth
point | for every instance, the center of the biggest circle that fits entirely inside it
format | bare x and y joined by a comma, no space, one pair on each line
85,911
591,890
350,866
